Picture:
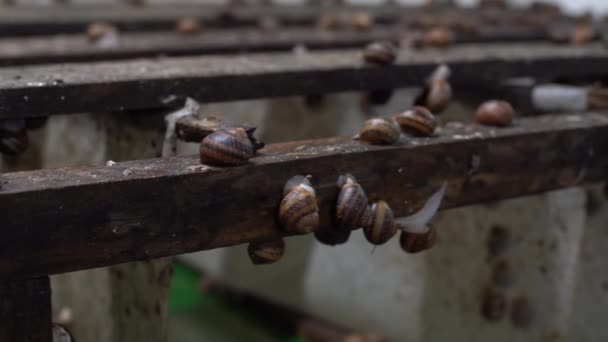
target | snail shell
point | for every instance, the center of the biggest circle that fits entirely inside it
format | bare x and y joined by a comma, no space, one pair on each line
418,121
98,30
298,211
382,53
14,139
379,131
266,252
329,235
188,26
226,148
439,37
418,242
362,21
495,113
352,210
381,225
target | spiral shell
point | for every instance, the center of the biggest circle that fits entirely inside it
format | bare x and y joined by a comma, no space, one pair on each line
226,148
362,21
418,242
418,121
266,252
381,225
352,210
382,53
439,37
495,113
379,131
188,26
298,211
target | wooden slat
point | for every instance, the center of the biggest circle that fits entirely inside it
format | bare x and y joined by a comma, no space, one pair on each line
74,19
141,84
76,48
25,311
70,219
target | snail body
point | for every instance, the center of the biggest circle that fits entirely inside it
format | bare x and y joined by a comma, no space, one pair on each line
381,53
381,224
495,113
418,121
438,96
379,131
352,210
266,252
298,211
229,147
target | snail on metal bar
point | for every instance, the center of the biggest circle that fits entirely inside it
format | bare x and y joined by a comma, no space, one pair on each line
379,131
418,121
381,224
495,113
381,53
228,147
266,252
298,211
352,210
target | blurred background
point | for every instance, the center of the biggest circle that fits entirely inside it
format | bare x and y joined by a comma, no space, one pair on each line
543,254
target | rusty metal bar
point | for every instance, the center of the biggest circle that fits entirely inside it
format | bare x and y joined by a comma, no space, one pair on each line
76,48
141,84
77,218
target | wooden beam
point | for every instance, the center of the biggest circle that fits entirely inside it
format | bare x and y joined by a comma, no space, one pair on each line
76,48
25,20
25,312
77,218
148,83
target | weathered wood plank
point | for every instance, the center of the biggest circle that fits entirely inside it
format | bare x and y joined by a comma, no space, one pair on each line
23,20
76,48
141,84
77,218
25,311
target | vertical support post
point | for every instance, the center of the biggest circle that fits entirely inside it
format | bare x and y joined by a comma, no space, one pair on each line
25,310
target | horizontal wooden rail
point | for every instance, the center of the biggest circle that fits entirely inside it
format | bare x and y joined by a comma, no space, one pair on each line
76,48
74,19
142,84
77,218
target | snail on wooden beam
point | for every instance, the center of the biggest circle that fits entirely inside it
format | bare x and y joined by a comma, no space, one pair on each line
495,113
381,224
266,252
229,147
379,131
298,210
437,92
352,209
418,121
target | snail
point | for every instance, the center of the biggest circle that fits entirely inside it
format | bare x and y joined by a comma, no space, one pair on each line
417,234
298,211
188,26
332,236
362,21
582,34
229,147
381,53
379,131
493,305
437,92
418,121
381,224
61,334
14,139
352,210
328,22
266,252
495,113
438,37
98,30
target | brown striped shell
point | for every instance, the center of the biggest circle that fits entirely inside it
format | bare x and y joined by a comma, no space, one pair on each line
379,131
418,242
438,96
495,113
417,121
188,26
352,210
226,148
266,252
381,225
298,211
381,53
